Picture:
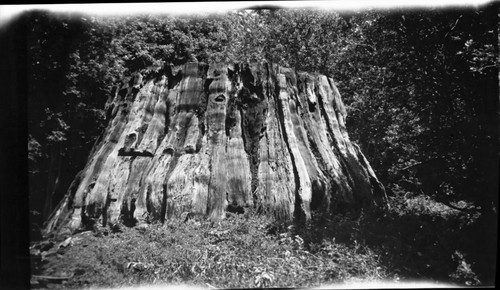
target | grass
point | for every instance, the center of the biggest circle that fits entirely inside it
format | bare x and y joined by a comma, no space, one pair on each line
405,243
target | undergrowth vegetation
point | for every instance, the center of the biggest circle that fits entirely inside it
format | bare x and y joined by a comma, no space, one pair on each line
416,239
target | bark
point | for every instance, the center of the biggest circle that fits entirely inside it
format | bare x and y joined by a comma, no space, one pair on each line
207,139
53,178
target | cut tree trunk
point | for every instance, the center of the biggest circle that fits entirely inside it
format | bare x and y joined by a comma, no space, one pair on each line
207,139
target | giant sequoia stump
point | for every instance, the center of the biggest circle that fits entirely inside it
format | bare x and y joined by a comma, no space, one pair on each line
206,139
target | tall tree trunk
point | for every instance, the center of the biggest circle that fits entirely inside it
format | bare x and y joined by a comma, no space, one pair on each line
207,139
53,178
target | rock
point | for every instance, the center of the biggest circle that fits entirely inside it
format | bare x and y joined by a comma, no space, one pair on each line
142,228
210,139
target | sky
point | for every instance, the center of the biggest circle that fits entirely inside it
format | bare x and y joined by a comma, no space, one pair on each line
9,11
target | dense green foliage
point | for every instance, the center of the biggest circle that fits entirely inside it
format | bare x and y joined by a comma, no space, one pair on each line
421,89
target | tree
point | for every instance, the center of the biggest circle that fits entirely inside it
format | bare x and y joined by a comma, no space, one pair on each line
222,138
54,102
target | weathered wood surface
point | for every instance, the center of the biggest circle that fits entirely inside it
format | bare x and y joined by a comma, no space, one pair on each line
207,139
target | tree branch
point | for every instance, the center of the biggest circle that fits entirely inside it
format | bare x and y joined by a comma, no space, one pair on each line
422,162
51,277
453,27
462,209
